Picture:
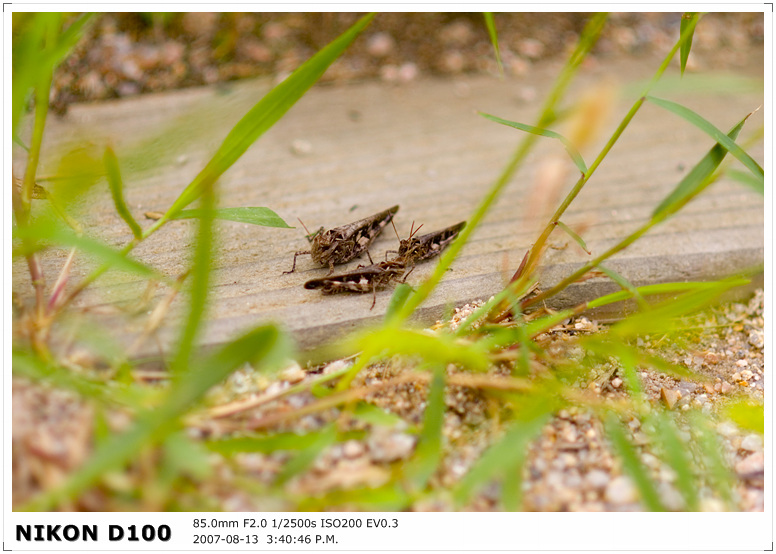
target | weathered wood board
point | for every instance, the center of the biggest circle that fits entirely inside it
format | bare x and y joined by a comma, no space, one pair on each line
345,152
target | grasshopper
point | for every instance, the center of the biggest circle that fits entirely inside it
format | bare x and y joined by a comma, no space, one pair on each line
341,244
417,249
363,279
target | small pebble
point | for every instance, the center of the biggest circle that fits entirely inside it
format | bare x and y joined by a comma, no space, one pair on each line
391,447
300,147
597,479
620,491
754,463
752,443
293,374
380,45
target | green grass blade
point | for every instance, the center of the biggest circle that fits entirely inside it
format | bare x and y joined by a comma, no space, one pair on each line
429,450
44,232
263,346
26,49
117,191
677,455
711,449
696,180
266,113
687,18
201,265
27,365
747,415
658,289
747,179
432,347
305,458
371,414
390,497
68,40
398,298
261,443
587,39
252,215
631,463
570,232
706,126
490,23
573,152
662,315
625,285
505,456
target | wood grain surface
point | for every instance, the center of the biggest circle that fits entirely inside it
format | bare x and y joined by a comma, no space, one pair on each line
348,151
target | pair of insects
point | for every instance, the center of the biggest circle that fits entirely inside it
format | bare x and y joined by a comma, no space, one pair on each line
342,244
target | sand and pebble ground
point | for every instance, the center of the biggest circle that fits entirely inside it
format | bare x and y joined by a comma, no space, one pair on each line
569,467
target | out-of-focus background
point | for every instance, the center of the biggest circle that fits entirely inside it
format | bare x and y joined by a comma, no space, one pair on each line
126,54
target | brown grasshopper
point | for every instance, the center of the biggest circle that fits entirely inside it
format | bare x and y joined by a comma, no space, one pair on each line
341,244
417,249
363,279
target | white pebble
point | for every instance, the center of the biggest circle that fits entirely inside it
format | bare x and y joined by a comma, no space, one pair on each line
300,147
752,443
620,491
597,479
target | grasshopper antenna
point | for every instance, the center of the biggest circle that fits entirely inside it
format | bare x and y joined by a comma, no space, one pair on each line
395,231
303,225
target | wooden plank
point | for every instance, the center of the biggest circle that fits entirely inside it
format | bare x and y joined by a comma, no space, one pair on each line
423,146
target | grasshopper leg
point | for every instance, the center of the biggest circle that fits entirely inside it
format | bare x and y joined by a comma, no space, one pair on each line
293,268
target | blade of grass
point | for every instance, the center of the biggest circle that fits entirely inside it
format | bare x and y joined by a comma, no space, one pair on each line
428,453
631,463
201,265
261,443
262,345
117,191
398,298
252,215
573,152
686,45
539,245
747,415
490,23
625,285
662,315
432,347
506,455
390,497
701,176
265,114
302,460
587,39
676,454
570,232
44,232
706,126
659,289
747,179
711,451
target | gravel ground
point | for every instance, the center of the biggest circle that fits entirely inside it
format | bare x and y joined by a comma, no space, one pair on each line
570,467
128,54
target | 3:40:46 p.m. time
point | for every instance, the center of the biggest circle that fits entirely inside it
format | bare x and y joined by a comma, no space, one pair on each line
301,539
